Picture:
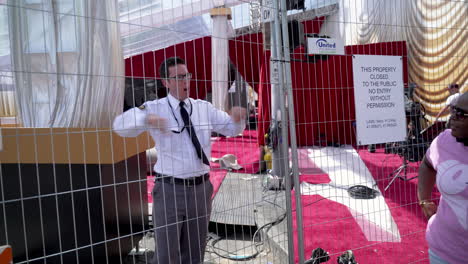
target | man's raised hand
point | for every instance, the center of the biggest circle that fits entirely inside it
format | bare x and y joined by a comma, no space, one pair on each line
157,122
238,113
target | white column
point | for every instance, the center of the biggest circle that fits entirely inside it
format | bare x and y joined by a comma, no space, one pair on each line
220,56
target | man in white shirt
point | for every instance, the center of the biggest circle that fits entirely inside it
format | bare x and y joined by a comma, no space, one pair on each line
181,128
454,91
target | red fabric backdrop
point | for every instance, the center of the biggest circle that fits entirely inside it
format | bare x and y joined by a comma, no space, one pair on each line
197,54
323,94
246,52
323,91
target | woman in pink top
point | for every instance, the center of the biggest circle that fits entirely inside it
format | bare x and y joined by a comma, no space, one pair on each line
446,163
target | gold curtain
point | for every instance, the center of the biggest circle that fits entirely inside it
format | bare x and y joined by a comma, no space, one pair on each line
436,32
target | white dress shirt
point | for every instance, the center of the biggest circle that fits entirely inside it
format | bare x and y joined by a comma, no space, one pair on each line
176,154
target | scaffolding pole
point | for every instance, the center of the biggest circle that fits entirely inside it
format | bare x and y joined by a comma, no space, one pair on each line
280,119
292,128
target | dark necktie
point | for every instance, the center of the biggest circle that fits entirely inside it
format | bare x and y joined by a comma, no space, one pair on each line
188,125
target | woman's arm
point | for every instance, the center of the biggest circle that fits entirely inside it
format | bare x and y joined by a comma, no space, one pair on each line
426,182
442,111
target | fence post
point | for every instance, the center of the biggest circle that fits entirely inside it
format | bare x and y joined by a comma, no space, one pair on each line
277,95
288,113
292,129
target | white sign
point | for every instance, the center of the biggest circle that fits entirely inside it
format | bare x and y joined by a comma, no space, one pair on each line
325,46
379,99
267,11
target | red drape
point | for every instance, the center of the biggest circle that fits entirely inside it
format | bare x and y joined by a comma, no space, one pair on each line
323,94
314,25
196,53
323,91
246,52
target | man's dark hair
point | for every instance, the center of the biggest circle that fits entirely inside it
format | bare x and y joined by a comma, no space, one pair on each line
164,68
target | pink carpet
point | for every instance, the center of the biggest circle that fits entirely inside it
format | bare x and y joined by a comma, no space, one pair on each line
331,226
244,147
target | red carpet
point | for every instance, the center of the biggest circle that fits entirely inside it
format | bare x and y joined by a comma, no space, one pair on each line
244,147
331,226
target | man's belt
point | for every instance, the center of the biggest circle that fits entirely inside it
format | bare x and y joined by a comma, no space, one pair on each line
188,181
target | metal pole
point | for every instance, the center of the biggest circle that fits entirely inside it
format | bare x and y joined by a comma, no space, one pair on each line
284,159
292,128
277,152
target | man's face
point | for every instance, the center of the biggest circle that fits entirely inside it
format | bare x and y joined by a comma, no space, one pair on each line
459,120
178,81
453,90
